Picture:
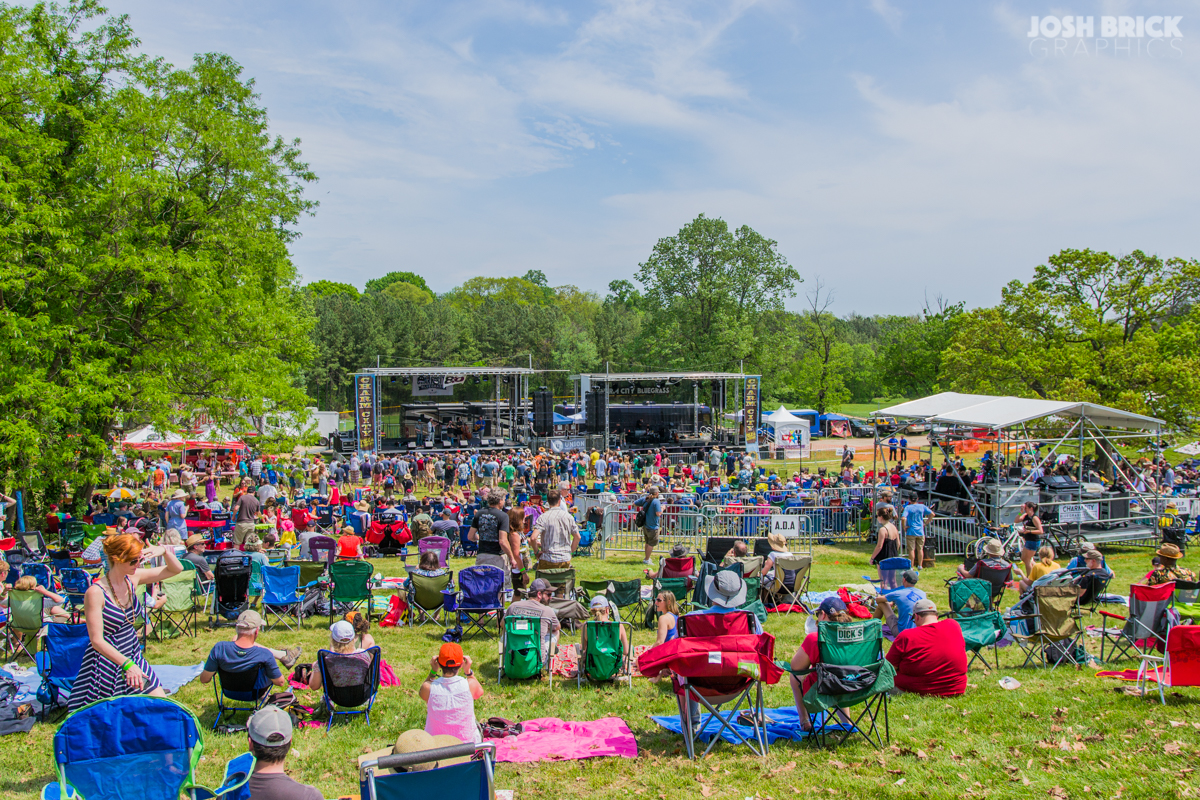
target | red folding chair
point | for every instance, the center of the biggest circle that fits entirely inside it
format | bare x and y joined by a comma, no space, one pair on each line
1179,664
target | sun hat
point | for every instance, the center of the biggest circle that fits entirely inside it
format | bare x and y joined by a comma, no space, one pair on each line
1169,551
725,589
249,621
924,606
362,506
416,740
777,542
194,540
993,547
341,631
270,726
451,655
831,604
179,494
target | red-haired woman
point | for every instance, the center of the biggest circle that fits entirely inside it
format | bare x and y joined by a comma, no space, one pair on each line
113,664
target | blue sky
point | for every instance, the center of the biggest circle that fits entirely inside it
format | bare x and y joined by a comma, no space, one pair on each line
896,151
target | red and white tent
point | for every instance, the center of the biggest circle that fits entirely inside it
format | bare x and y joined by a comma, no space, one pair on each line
146,438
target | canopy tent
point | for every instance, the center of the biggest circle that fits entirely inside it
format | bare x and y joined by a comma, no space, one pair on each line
791,432
146,438
559,419
986,411
783,415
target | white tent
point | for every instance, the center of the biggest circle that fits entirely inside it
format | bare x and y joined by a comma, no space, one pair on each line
791,432
986,411
785,416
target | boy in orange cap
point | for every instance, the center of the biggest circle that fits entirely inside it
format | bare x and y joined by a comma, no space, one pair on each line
450,699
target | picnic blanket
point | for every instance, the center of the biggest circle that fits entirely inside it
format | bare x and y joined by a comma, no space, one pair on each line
782,723
565,663
1125,675
171,676
552,739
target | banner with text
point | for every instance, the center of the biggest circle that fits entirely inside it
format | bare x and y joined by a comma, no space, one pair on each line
365,422
436,385
752,412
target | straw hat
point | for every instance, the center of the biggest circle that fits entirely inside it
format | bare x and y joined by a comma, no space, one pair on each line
179,494
194,540
362,506
1169,551
414,741
993,547
777,542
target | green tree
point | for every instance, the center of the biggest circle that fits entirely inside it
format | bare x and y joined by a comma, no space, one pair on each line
327,288
145,217
409,292
911,348
379,284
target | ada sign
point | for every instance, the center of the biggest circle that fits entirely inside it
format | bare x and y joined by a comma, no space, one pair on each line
787,524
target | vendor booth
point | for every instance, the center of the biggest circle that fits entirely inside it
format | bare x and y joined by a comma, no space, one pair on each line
792,435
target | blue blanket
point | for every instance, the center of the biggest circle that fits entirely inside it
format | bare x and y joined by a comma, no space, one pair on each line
172,677
784,724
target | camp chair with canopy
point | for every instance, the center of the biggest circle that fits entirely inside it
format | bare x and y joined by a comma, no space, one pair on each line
790,581
1145,625
426,598
23,623
480,599
435,544
349,587
282,597
563,581
717,664
177,615
851,670
137,747
244,690
59,662
354,692
524,647
467,780
1053,631
1179,664
982,625
605,658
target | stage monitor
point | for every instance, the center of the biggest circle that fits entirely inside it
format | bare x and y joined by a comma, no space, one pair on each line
543,412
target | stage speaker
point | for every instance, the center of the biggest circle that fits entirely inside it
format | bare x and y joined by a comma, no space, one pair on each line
716,394
543,412
595,407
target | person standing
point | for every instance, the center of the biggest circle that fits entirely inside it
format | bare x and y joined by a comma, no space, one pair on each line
113,664
177,511
246,511
912,526
652,507
490,529
555,534
893,445
903,447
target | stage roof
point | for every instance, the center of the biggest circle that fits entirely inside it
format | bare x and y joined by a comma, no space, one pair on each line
988,411
659,376
450,371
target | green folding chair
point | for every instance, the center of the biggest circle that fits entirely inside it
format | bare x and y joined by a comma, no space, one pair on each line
24,622
349,585
425,598
177,615
622,594
982,626
563,581
309,570
605,659
524,648
679,590
859,645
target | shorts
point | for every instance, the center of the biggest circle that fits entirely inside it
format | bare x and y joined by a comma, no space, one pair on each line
1032,545
650,535
462,481
241,531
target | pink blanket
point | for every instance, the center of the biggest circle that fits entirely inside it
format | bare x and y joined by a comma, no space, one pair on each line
551,739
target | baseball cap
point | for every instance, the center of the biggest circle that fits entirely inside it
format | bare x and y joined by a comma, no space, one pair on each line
341,631
270,726
541,585
1093,555
910,575
599,601
924,606
249,621
831,604
451,655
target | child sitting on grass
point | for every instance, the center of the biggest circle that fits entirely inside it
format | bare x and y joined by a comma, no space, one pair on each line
450,698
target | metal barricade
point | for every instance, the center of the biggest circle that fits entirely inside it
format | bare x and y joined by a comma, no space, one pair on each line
951,535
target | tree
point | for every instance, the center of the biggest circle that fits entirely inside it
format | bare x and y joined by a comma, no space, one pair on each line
820,374
379,284
145,217
328,288
409,292
911,348
706,291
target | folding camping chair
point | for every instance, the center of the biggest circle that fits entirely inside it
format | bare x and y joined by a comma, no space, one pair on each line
982,626
75,583
563,581
525,648
33,544
858,645
1054,626
59,662
790,581
716,547
480,599
622,594
40,572
469,780
246,690
466,548
1143,628
178,612
23,623
311,572
605,658
438,544
1187,601
426,598
891,571
322,549
390,537
1179,664
231,592
677,568
281,597
359,683
137,747
349,587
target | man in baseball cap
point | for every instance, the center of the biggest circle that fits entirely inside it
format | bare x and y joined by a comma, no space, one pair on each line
897,606
244,654
538,605
931,657
270,734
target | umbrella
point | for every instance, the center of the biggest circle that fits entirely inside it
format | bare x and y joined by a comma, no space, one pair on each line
121,493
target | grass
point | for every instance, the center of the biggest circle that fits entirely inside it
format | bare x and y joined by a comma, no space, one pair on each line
1064,733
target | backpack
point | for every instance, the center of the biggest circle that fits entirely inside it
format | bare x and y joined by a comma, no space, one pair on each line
501,728
14,717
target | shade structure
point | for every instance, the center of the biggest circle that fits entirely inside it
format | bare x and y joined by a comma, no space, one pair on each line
146,438
783,415
987,411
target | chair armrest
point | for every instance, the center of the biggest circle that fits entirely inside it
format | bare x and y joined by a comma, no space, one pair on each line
1104,613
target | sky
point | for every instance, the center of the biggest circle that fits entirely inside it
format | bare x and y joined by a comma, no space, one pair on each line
897,152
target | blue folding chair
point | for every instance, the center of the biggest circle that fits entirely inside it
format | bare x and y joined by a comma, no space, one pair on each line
75,583
60,560
282,596
466,548
480,599
239,691
58,663
471,780
137,747
356,693
40,572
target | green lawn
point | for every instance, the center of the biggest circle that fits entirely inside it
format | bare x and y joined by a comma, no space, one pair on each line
1062,734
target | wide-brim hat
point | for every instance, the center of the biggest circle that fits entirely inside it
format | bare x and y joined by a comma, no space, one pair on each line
414,741
362,506
194,540
179,494
1169,551
777,542
725,589
993,547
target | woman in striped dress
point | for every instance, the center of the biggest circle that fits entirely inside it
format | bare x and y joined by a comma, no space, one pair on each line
114,664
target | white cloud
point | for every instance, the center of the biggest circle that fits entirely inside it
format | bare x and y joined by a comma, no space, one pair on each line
890,15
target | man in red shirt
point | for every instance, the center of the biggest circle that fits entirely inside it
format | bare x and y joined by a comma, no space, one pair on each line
930,658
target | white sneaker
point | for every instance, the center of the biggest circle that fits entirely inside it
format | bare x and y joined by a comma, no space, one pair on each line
648,562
